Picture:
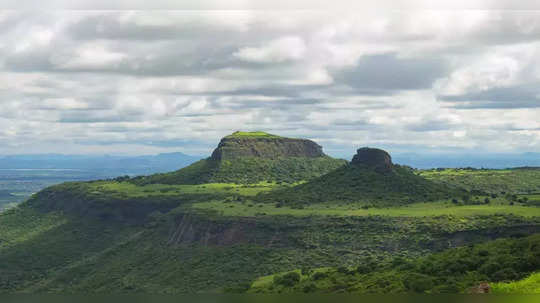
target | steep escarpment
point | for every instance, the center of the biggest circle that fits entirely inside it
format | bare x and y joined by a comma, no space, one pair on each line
269,147
253,157
371,178
374,158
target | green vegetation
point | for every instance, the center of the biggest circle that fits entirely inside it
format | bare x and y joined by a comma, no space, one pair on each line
495,181
248,208
455,270
121,200
177,251
256,134
356,183
529,285
249,170
275,205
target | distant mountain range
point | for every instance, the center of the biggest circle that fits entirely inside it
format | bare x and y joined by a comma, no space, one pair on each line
166,162
489,160
113,165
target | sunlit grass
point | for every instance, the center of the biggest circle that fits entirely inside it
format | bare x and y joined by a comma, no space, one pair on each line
133,190
529,285
248,209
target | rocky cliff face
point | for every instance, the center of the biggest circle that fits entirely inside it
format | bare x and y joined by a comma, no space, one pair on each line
375,158
265,147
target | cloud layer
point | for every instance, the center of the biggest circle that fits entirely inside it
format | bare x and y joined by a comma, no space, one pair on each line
150,81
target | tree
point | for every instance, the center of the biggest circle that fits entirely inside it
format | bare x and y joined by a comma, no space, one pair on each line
289,279
418,282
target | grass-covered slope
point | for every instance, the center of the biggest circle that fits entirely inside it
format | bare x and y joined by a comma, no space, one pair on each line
358,183
182,252
496,181
529,285
253,157
125,201
453,271
247,170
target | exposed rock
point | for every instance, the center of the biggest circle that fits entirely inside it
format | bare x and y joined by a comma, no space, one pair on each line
375,158
482,288
268,146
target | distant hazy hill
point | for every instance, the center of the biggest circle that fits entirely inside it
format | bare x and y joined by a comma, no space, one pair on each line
252,157
486,160
115,165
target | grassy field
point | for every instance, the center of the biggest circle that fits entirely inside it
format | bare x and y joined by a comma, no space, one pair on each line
488,180
413,210
529,285
256,134
133,190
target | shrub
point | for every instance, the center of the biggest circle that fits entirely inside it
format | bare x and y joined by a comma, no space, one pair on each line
344,270
306,271
289,279
418,282
505,274
319,275
311,287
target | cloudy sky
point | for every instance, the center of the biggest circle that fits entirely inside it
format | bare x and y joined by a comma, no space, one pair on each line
139,82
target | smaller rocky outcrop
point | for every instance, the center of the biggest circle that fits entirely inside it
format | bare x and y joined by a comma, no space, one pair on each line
375,158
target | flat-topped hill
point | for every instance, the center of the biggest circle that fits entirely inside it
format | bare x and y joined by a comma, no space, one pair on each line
252,157
264,145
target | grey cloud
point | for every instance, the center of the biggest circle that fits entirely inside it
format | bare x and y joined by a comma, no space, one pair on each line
141,99
522,96
98,116
125,26
507,27
383,74
430,125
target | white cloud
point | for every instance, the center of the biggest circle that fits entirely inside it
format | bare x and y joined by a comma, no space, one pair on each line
89,56
279,50
109,81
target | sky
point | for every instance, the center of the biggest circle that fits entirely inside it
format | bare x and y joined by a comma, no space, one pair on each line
150,81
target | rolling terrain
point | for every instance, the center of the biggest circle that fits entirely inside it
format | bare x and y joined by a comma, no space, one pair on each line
264,206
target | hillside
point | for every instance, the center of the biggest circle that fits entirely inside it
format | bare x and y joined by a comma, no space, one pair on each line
179,251
144,235
524,180
456,270
370,178
253,157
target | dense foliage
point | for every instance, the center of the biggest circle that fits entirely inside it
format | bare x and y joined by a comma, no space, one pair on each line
208,227
119,201
356,183
455,270
247,170
178,252
495,181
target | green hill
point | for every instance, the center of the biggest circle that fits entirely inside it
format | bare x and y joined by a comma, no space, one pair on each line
370,178
184,233
253,157
456,270
529,285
